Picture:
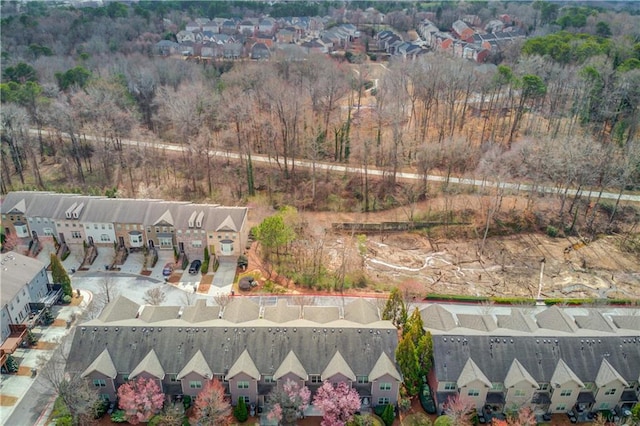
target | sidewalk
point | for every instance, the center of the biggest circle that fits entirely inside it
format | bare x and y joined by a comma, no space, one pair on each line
14,387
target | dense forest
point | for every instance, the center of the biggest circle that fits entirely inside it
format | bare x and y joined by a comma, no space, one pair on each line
559,108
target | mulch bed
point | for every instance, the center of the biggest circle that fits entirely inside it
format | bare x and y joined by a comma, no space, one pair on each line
8,400
145,273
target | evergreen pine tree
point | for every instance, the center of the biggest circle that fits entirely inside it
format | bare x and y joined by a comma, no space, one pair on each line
409,366
395,309
240,411
60,276
388,415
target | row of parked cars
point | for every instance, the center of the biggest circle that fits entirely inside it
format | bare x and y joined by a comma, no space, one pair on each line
194,268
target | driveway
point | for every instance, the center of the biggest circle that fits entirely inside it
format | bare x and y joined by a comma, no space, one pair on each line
226,273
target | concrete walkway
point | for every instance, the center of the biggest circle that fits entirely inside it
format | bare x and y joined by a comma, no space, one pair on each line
33,397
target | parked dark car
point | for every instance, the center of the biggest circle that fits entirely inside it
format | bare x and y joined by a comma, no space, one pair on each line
426,399
195,266
168,269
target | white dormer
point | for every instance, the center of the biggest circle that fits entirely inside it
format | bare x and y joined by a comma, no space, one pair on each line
192,219
78,210
69,212
199,219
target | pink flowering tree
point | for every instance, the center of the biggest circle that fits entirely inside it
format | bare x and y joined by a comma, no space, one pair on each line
140,399
286,403
459,410
339,403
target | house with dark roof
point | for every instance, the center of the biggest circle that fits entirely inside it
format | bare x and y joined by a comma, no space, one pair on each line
129,224
555,360
250,348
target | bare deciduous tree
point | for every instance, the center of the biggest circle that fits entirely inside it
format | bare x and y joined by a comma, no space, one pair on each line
155,296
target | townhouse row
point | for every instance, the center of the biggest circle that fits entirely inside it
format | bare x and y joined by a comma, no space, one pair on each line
78,220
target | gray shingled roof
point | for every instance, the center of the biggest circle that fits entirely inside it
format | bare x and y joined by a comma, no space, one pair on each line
159,313
321,314
103,364
470,373
564,374
594,320
438,318
150,364
15,270
290,364
241,309
197,364
200,312
244,364
361,311
119,309
338,365
517,373
554,318
477,322
222,344
630,322
538,355
383,366
282,312
517,320
608,374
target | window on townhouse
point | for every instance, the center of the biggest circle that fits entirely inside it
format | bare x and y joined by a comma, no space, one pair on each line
187,232
242,384
544,386
110,226
125,377
385,386
47,231
590,386
105,397
148,229
157,229
99,383
219,377
362,379
173,378
315,378
268,379
246,399
76,234
196,244
103,226
519,393
473,392
611,391
497,386
383,400
95,226
566,392
105,238
603,406
450,386
66,225
164,229
561,407
195,384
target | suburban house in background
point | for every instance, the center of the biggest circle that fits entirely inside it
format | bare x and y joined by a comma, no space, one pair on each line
249,348
25,289
555,360
79,221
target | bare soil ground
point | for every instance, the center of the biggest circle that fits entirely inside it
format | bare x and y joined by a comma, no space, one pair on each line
451,263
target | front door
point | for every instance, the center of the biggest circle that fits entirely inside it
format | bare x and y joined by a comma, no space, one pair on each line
90,240
181,245
34,235
121,241
151,245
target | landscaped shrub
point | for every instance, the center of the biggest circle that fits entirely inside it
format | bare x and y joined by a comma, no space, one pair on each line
552,231
11,364
240,411
205,262
66,299
47,317
32,340
443,421
388,415
119,416
186,400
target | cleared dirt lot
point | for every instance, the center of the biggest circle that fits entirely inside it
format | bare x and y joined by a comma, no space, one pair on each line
510,265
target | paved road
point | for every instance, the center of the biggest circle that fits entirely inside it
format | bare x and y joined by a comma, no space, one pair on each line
341,168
